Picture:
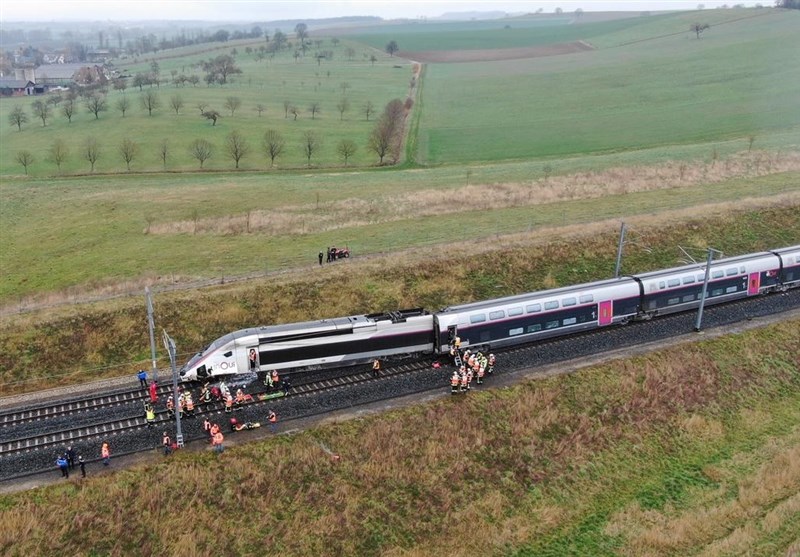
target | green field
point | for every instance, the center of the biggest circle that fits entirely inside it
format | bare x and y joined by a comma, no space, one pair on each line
671,90
269,82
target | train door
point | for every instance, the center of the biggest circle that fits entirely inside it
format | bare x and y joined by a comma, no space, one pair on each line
253,359
452,335
754,284
606,313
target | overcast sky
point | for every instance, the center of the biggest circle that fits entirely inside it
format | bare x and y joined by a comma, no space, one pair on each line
265,10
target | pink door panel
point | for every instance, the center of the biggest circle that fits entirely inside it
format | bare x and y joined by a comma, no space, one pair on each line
753,284
606,313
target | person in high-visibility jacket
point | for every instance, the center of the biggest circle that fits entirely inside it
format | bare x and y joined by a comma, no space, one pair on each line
214,430
273,420
217,441
189,404
239,401
490,364
149,414
454,381
275,378
171,406
464,380
228,402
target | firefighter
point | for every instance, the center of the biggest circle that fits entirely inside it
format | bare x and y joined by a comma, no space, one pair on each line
464,380
268,381
214,430
490,364
167,443
275,378
479,374
153,392
273,420
205,394
149,414
181,404
189,404
469,378
376,368
170,406
228,402
217,442
454,381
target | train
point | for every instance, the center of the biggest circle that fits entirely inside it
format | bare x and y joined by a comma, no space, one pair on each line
495,323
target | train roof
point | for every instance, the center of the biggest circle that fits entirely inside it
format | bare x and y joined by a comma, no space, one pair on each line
701,265
524,297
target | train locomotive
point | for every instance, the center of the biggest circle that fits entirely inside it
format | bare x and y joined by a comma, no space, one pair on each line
493,323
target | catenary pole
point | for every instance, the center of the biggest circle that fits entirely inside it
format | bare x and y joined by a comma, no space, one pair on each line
709,259
169,344
619,250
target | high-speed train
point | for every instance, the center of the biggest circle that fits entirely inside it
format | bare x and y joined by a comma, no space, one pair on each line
493,323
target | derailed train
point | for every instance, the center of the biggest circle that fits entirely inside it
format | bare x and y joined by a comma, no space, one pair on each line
493,323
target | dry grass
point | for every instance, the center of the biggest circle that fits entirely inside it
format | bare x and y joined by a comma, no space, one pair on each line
349,213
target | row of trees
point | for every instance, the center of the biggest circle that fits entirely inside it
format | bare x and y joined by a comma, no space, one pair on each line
151,102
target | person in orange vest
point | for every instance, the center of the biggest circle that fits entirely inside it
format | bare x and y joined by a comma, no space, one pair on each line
464,379
479,373
228,402
217,442
454,381
275,378
239,398
167,443
273,420
214,430
189,404
181,404
171,406
490,364
376,368
105,452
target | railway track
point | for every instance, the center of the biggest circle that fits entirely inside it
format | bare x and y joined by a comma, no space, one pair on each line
131,419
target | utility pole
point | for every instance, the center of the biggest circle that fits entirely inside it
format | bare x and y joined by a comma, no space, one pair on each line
151,326
709,259
169,344
619,250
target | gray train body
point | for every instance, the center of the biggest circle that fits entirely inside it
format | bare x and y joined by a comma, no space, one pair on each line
493,323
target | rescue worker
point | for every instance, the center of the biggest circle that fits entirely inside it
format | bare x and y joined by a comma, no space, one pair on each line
61,462
153,392
105,453
166,442
463,376
239,401
479,374
217,441
490,364
228,402
70,455
205,394
149,414
170,406
207,427
181,404
214,431
142,375
82,464
469,378
273,420
189,404
268,381
275,378
376,368
454,381
223,389
234,423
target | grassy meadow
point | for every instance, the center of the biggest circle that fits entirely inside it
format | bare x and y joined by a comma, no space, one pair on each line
691,450
268,82
669,90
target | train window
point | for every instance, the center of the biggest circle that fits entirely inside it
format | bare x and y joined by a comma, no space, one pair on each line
514,311
688,298
533,308
701,278
662,285
515,332
551,324
673,301
742,270
497,314
586,299
673,282
569,302
732,272
717,292
570,321
534,328
717,274
228,354
477,318
688,280
551,305
731,289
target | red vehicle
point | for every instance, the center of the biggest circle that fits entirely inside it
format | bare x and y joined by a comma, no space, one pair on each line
340,253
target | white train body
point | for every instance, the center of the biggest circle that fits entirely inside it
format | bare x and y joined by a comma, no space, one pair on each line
494,323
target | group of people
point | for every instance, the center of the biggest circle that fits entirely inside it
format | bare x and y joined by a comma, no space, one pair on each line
67,460
471,366
332,254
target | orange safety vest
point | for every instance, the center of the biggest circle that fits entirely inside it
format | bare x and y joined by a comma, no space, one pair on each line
214,429
218,438
273,418
239,396
274,375
105,452
228,400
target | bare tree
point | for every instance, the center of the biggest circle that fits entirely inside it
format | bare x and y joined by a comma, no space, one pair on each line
201,150
342,106
373,59
392,47
260,108
91,151
346,149
95,104
120,84
128,150
149,101
698,28
350,52
311,144
176,103
232,103
212,115
386,137
123,104
25,158
201,106
286,106
17,117
163,151
344,86
59,152
380,140
42,110
273,145
314,109
294,111
68,109
237,146
368,109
